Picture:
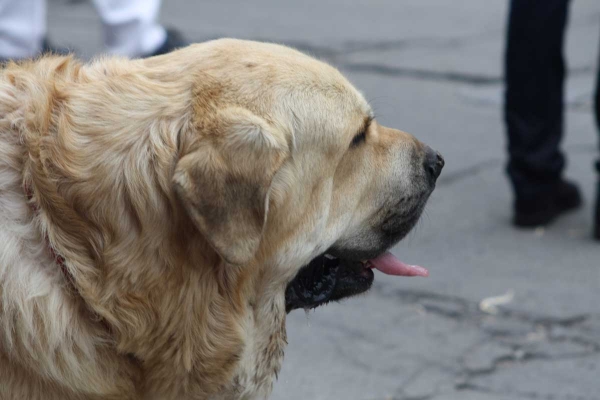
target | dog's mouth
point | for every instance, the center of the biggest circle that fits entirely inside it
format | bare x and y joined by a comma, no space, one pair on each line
327,278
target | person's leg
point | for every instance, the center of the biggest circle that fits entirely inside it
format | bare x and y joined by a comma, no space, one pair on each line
131,27
22,28
597,115
533,110
597,97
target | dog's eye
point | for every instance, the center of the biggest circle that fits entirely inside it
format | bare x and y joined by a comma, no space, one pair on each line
362,136
358,139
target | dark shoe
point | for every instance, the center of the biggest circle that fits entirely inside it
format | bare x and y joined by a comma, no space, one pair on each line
545,209
48,47
173,41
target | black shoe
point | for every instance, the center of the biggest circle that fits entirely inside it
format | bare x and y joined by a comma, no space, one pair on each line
173,41
545,209
48,47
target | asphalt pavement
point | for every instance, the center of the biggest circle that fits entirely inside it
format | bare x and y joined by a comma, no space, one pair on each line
505,314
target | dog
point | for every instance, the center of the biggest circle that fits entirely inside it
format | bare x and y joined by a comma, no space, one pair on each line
159,217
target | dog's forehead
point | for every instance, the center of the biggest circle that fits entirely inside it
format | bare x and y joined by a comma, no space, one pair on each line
324,112
259,72
302,94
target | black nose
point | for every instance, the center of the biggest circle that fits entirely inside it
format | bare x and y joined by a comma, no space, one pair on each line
434,162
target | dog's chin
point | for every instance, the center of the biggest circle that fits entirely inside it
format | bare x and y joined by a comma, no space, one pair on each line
341,273
327,278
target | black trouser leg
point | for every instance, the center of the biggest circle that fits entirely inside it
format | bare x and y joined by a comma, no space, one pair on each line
597,106
533,110
597,114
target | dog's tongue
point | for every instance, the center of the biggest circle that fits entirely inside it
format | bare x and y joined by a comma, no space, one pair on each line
390,265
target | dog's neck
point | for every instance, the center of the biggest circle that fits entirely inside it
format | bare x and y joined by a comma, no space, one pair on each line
147,272
266,338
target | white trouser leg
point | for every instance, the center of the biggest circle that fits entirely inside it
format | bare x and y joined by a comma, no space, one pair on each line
22,28
131,27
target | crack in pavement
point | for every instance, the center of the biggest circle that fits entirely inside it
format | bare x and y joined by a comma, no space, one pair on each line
421,73
338,56
513,337
357,46
524,395
336,53
452,177
438,76
461,309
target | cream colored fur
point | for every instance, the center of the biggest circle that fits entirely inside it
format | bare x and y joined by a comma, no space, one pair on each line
184,193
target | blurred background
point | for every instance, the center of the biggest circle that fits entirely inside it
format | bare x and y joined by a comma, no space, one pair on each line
505,314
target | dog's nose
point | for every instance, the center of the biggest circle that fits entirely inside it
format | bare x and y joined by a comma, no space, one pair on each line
434,162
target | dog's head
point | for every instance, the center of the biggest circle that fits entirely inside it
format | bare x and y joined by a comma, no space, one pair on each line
287,164
187,192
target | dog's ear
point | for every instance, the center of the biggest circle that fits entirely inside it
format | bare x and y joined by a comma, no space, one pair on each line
224,182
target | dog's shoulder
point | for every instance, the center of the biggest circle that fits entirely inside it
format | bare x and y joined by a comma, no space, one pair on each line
45,330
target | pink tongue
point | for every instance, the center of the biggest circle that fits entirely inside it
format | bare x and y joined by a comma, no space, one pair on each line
389,264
